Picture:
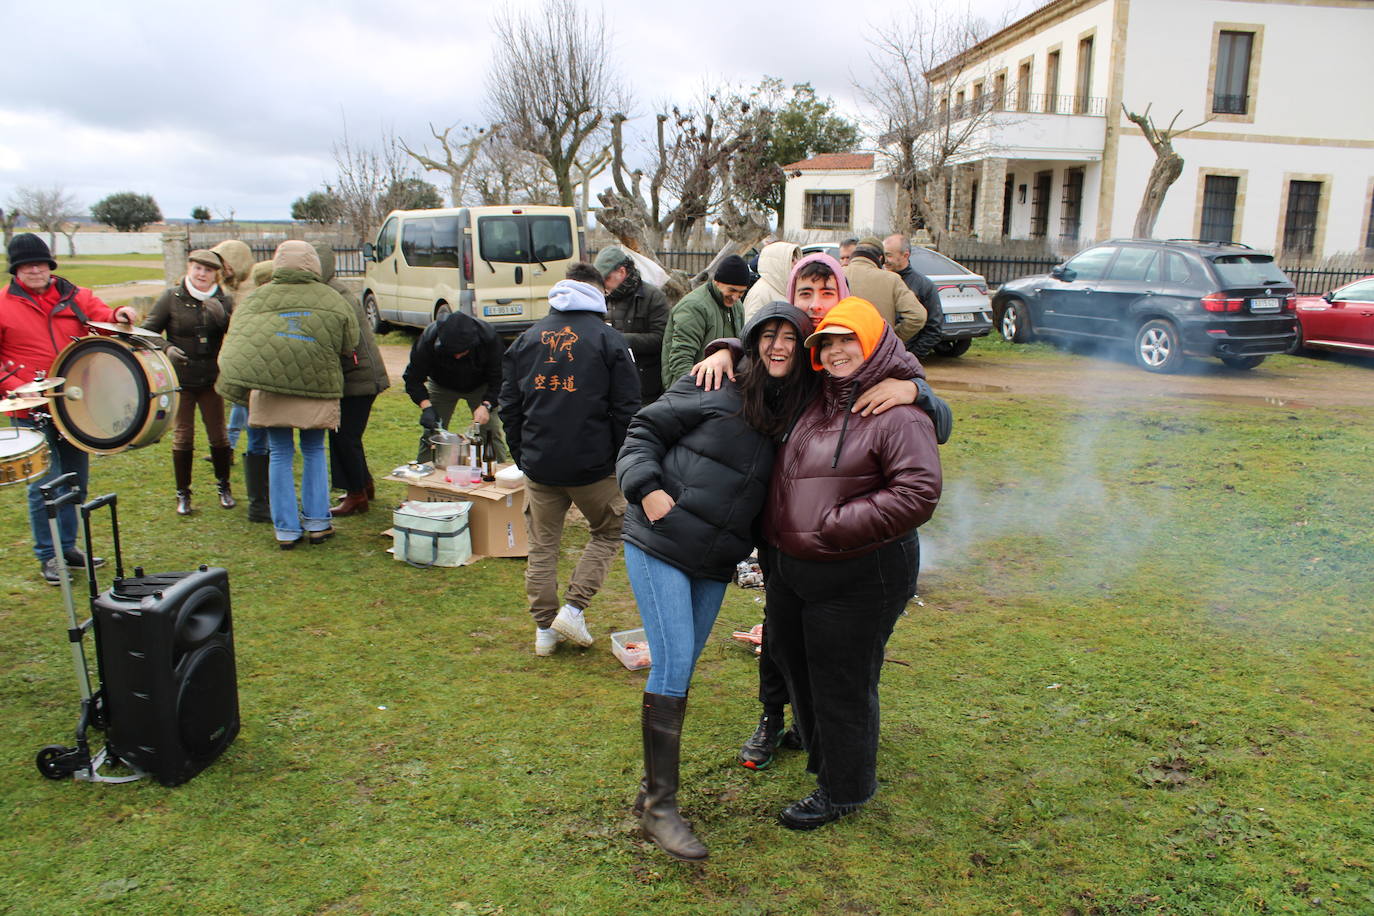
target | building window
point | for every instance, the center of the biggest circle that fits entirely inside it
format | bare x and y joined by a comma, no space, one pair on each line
1023,87
1007,190
1052,82
1219,208
999,91
1085,76
1071,214
827,209
1040,204
1300,221
1233,73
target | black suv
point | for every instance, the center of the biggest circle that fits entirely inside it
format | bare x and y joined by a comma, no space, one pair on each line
1168,299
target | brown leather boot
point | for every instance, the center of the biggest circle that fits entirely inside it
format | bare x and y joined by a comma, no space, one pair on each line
354,503
661,821
181,470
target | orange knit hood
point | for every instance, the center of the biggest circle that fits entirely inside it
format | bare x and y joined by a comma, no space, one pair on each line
856,316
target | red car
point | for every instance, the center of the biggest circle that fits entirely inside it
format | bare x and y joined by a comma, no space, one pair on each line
1342,320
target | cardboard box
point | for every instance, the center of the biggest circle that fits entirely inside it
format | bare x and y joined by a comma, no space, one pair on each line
497,517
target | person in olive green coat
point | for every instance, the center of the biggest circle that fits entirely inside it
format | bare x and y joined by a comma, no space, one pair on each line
364,378
711,311
282,357
194,314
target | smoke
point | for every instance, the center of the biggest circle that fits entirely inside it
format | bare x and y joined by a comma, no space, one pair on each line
1088,534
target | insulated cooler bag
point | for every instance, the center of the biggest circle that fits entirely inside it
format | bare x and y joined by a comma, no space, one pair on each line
431,534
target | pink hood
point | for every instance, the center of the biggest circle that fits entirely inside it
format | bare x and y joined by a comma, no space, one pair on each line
830,262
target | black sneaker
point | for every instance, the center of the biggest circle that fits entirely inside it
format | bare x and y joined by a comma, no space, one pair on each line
77,559
758,751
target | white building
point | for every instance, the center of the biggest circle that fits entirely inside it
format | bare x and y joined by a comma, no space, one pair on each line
1285,163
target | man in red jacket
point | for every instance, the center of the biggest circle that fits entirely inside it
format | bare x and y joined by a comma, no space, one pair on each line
39,315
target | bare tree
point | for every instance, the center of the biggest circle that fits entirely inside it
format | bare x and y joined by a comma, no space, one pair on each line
47,208
1168,166
505,174
920,131
364,178
683,181
552,83
7,221
585,169
459,153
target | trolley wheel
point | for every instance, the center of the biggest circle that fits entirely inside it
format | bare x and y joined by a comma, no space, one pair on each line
51,761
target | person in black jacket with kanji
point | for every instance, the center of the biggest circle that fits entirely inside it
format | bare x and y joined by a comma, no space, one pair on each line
568,391
456,358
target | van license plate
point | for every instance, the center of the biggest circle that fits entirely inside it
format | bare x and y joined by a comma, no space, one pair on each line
1264,305
502,310
957,317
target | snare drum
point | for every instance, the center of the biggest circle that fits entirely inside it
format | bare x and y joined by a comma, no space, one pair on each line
23,455
119,393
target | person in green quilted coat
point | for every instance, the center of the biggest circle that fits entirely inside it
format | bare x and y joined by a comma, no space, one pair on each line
281,357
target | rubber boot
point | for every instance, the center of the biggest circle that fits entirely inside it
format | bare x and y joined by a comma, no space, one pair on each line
255,482
662,823
354,503
223,458
181,470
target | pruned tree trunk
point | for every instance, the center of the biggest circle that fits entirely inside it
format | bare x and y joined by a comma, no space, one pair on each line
458,159
1168,166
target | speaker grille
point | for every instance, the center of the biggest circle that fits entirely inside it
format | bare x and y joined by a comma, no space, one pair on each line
207,707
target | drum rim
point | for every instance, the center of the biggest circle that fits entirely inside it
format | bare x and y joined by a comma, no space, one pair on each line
128,355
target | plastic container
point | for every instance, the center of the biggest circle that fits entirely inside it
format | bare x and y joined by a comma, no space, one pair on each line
455,473
632,648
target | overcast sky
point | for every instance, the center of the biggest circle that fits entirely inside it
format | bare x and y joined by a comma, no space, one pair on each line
237,106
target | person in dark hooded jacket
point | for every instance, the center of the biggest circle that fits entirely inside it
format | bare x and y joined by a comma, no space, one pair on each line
694,470
847,493
457,358
639,311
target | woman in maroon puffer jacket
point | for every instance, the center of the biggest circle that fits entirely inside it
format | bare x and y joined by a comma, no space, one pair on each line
846,496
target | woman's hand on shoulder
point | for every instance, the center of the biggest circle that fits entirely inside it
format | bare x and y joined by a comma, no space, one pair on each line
656,504
889,393
712,371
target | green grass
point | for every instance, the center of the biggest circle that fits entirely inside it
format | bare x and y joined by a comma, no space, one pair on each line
1140,682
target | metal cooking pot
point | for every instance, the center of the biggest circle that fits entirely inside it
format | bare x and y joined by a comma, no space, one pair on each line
449,448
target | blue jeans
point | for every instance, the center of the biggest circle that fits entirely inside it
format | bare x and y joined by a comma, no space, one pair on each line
63,457
238,419
678,612
313,511
257,441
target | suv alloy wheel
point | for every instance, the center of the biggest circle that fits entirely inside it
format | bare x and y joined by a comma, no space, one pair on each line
1157,347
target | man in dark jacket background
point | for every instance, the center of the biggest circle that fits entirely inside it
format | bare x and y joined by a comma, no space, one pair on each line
897,258
639,311
568,391
456,358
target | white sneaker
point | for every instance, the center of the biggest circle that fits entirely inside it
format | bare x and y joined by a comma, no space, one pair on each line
546,640
573,625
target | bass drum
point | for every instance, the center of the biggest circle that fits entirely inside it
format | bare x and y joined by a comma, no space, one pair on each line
118,394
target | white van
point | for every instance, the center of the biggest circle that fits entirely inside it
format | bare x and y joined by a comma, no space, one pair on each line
493,263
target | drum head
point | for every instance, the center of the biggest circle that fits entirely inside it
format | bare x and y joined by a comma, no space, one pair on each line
104,403
23,455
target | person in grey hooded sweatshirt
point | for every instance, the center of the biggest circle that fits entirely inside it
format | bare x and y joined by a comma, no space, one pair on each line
568,390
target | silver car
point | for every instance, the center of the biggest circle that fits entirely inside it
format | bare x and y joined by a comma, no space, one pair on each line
963,296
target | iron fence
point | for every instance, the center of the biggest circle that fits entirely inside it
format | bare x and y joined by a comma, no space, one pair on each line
1313,281
348,261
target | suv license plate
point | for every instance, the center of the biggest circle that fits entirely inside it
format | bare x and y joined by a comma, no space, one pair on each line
502,310
1264,305
958,317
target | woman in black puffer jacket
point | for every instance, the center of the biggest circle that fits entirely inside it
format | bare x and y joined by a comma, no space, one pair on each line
694,469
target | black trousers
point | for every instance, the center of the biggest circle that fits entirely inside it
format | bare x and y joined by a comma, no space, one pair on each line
347,461
772,685
828,625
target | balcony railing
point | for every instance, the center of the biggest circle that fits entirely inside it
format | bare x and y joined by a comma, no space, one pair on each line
1029,103
1229,104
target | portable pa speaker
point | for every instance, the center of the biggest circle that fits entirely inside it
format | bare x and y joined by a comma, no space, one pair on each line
165,649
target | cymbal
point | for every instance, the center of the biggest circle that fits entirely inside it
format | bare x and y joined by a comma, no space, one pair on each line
10,405
128,329
38,385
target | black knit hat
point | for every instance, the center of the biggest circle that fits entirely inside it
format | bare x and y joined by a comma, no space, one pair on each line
735,271
27,248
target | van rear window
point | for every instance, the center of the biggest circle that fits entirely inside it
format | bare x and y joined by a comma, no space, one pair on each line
502,238
551,238
1237,271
